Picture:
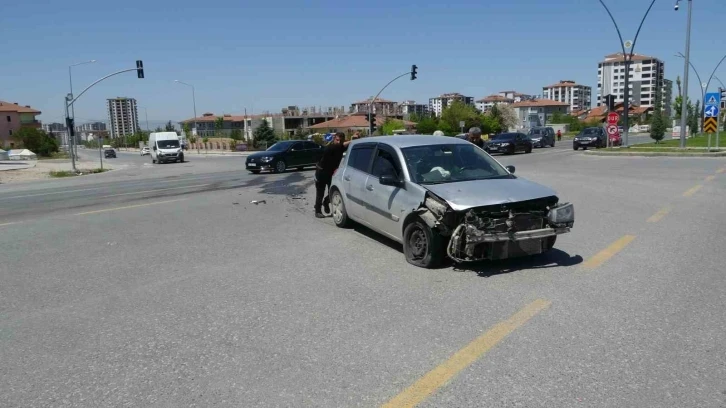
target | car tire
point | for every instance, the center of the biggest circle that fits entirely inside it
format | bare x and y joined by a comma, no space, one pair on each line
255,171
528,150
422,246
181,158
280,166
337,210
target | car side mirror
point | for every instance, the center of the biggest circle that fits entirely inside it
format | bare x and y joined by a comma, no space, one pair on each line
390,180
154,147
510,169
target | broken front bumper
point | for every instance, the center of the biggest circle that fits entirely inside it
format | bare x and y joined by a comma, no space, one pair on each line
478,237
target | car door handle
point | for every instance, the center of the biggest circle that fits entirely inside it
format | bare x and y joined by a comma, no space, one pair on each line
369,187
346,178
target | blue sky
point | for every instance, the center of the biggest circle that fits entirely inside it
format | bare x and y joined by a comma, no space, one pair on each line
266,55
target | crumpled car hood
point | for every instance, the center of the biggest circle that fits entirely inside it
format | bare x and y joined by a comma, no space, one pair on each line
469,194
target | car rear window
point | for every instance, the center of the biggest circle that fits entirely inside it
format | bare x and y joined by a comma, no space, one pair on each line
360,157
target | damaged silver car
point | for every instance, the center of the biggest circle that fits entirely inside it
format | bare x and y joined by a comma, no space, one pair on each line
441,196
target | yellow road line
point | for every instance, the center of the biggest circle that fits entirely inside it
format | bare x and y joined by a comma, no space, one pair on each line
710,178
693,190
659,215
440,375
129,206
155,190
9,223
608,252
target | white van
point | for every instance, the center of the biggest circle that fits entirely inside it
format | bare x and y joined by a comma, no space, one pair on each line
165,146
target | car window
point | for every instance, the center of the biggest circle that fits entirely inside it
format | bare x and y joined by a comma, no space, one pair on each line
446,163
297,146
385,164
311,145
360,157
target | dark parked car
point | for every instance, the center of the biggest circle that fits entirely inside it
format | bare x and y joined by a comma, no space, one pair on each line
542,136
109,153
284,155
509,143
590,137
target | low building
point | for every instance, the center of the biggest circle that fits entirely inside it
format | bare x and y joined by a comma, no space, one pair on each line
484,104
409,108
355,122
578,96
380,107
600,113
538,112
14,117
441,102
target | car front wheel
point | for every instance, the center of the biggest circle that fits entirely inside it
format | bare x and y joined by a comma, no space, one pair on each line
422,246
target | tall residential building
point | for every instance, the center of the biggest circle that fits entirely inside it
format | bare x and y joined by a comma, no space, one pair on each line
646,78
438,104
579,97
123,116
409,108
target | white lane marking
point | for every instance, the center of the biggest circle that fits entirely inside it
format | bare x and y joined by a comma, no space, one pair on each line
129,206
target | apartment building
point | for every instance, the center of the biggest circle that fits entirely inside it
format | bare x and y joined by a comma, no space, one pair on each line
438,104
579,97
380,107
123,116
486,103
91,127
409,108
646,79
14,117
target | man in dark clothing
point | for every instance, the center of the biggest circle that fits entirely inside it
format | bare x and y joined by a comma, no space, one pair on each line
332,155
475,137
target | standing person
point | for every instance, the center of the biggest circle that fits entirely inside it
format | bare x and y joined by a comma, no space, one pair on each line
332,155
559,135
475,137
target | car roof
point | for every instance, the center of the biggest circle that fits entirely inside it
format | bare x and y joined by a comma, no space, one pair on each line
403,141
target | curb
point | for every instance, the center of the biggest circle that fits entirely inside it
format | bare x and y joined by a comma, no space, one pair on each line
657,154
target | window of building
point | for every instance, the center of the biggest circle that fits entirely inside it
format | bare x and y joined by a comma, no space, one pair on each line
11,132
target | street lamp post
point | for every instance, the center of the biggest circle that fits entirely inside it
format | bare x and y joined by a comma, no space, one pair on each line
71,142
412,73
194,102
627,59
686,64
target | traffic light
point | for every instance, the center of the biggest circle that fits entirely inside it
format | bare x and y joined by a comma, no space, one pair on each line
610,102
413,72
372,121
140,68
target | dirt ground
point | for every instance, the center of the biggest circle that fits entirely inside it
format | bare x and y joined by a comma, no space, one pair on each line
40,170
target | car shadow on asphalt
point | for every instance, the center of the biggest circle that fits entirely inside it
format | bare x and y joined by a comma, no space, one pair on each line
552,258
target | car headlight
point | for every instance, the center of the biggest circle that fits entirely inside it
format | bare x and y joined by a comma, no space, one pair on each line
562,214
266,159
504,144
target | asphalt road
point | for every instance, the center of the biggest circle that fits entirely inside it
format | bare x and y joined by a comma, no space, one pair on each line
164,286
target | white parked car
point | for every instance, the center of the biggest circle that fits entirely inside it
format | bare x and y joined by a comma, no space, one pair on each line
145,151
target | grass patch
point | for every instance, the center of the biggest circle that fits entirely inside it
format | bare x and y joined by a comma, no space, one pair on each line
696,141
56,156
70,173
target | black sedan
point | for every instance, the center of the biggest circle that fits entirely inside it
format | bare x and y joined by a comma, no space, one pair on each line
109,153
285,154
509,143
590,137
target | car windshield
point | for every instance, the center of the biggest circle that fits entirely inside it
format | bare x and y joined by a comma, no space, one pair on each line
536,132
167,144
590,131
449,163
279,147
503,137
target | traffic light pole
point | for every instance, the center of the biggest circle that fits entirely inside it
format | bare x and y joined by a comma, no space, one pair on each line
69,103
370,105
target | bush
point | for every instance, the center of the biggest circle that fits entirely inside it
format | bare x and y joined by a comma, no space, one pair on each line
38,141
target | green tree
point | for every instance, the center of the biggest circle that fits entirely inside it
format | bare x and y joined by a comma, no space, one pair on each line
456,112
558,118
169,127
426,125
264,135
235,134
391,125
301,133
657,121
218,126
158,129
37,141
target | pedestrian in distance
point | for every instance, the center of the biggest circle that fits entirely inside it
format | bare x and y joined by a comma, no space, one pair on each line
475,137
559,135
332,155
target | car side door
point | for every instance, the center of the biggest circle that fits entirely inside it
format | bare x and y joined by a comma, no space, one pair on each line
385,202
520,142
295,155
355,174
313,153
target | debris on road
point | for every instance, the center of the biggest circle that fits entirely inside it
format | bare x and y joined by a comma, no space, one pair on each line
256,202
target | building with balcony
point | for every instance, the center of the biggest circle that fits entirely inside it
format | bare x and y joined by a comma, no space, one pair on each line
438,104
14,117
538,112
646,80
123,116
380,107
579,97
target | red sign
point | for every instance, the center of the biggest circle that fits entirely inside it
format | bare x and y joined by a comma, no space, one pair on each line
612,130
613,118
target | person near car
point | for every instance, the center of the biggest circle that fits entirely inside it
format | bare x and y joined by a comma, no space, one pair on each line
332,155
475,137
559,135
